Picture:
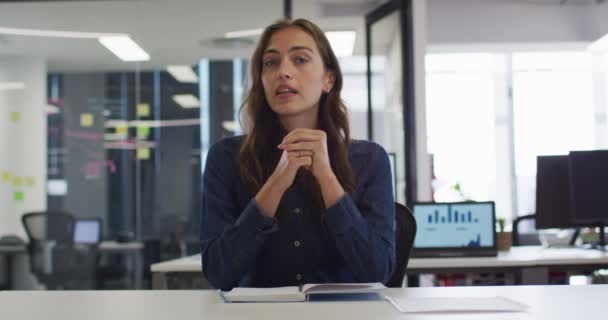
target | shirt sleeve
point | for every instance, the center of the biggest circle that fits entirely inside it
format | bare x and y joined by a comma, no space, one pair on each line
364,233
230,239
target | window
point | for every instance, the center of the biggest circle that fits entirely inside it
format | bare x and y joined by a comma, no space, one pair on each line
553,112
481,137
461,99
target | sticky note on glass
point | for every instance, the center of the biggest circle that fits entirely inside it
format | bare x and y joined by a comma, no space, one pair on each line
17,181
18,195
143,110
86,120
122,130
7,176
143,132
15,116
30,181
143,153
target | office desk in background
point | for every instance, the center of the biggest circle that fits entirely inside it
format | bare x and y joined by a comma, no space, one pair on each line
545,302
9,252
135,249
533,263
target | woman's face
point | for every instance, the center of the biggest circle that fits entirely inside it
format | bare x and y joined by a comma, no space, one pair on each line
293,73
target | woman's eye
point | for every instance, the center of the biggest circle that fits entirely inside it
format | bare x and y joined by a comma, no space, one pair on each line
300,60
269,63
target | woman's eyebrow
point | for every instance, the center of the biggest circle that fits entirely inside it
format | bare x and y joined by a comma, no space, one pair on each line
294,48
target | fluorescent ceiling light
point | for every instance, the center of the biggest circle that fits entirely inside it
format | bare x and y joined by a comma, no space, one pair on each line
55,33
342,42
12,85
243,33
599,45
124,48
183,74
186,100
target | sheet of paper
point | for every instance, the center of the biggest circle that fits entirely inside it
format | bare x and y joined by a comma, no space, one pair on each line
15,116
17,181
143,132
7,176
460,304
122,130
18,195
87,120
280,294
143,110
143,153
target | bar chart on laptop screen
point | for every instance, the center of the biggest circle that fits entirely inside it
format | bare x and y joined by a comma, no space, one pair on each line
454,225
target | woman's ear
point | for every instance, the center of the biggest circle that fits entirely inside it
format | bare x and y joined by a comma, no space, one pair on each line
328,84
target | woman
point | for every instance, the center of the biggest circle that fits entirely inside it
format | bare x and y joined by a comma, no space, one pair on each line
295,200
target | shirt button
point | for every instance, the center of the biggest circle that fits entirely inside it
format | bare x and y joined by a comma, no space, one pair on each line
297,210
296,243
298,277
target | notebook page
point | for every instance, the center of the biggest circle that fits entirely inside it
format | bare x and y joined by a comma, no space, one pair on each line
342,287
279,294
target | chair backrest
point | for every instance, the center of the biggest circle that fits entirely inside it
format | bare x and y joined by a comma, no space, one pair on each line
49,226
405,233
54,259
522,239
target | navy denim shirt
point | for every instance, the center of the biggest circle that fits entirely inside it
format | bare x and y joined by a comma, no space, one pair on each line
353,241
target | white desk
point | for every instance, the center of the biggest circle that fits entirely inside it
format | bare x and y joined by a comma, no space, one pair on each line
135,249
535,258
545,302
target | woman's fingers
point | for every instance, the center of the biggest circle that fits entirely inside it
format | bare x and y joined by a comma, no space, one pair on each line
299,135
300,146
302,153
299,161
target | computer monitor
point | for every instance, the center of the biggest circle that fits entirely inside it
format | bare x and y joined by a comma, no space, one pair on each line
553,193
589,186
455,229
589,189
87,231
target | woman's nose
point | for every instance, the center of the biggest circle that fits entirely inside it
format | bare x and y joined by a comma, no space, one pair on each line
285,71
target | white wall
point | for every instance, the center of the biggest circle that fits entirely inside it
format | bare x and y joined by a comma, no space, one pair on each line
513,21
22,141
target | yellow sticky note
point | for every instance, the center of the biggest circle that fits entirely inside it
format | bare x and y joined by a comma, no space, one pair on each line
15,116
122,130
7,176
143,110
86,120
143,132
143,153
18,195
17,181
30,181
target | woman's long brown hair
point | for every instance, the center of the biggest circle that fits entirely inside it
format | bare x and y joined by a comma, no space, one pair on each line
259,154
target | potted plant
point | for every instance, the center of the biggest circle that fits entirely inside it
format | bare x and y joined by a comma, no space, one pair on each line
503,238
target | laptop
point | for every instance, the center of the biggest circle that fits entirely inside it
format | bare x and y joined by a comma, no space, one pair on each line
87,231
455,229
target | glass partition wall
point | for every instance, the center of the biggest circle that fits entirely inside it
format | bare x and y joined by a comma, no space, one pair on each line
390,92
112,136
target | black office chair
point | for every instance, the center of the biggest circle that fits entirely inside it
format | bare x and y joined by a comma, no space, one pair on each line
54,259
519,238
405,232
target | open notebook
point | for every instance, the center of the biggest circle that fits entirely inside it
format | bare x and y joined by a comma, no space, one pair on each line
296,294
